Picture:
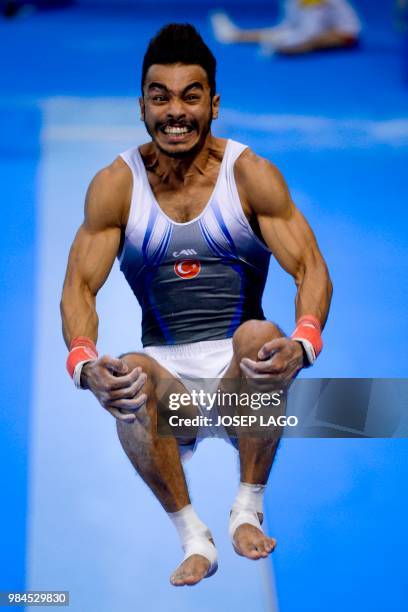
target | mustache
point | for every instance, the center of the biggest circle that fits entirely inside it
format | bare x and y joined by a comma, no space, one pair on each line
190,125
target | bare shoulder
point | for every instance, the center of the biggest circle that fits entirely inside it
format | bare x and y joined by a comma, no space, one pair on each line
261,185
108,197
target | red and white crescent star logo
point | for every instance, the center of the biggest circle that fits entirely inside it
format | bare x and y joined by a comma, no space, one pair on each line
187,268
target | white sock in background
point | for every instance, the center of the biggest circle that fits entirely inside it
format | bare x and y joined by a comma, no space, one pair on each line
225,30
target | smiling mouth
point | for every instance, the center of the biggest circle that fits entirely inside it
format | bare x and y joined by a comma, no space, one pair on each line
176,131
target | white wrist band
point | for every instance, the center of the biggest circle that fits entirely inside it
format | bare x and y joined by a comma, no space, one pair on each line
77,373
308,347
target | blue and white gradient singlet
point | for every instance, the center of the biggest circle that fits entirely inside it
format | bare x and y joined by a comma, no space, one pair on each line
198,280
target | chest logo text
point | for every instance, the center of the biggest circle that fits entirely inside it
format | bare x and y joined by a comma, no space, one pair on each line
184,252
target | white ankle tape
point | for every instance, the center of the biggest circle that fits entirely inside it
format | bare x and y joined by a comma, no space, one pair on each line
250,497
201,545
194,535
239,517
248,503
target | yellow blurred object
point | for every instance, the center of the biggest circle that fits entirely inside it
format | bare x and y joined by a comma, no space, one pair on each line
307,3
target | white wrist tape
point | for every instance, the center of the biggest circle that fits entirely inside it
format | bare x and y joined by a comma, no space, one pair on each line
77,373
309,350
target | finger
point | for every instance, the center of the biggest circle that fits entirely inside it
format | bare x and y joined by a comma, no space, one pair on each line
272,379
249,373
130,391
117,366
263,367
126,418
121,382
271,347
121,386
130,404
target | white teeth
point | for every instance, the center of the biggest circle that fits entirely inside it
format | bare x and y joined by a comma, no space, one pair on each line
176,130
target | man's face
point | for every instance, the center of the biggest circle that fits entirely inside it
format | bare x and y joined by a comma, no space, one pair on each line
177,108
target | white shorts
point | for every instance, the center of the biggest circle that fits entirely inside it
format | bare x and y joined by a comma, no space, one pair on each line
207,361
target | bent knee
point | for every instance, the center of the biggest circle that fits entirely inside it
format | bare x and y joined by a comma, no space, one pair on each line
251,335
139,360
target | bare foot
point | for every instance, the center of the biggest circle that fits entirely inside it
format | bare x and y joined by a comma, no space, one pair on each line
192,570
251,542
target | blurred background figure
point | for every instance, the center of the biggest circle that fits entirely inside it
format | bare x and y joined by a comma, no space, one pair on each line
307,25
23,8
13,8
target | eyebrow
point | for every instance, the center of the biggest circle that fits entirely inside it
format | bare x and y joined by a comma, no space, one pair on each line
157,85
195,85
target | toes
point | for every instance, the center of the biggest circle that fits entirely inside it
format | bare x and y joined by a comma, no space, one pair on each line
254,555
176,580
266,546
260,550
257,548
261,547
270,544
188,577
247,547
184,580
254,544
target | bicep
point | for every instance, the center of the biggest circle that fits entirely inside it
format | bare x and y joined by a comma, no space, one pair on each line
283,227
98,239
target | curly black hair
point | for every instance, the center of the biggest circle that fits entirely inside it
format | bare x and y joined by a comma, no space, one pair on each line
180,43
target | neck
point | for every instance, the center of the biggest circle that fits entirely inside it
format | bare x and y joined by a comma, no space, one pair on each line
182,169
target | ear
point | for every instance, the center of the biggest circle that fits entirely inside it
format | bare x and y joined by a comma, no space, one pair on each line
142,108
215,106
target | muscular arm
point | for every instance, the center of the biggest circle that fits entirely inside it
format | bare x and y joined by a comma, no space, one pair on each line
90,261
94,250
264,194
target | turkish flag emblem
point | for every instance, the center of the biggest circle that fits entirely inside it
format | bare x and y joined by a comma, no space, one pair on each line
187,268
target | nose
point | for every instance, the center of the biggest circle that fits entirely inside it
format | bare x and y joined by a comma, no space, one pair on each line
175,109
